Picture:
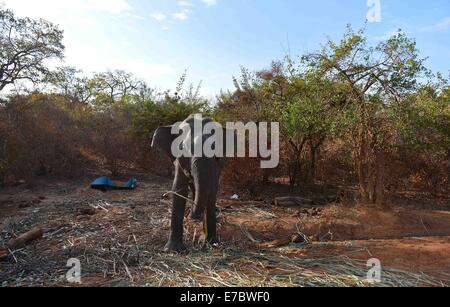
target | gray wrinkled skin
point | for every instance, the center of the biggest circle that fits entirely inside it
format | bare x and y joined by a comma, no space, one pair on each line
201,176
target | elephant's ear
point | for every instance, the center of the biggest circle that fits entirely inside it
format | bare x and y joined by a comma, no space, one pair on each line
163,139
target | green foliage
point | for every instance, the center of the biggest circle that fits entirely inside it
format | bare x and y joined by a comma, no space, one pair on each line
166,109
425,120
389,69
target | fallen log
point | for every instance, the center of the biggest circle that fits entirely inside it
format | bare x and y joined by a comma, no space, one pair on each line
293,202
26,238
305,202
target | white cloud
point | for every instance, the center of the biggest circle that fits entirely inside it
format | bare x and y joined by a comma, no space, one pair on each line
53,9
442,25
69,13
184,3
181,16
110,6
158,16
209,3
95,59
387,35
186,9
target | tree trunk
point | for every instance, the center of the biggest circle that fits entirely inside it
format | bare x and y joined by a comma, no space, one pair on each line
372,178
266,177
295,163
362,165
294,173
380,161
314,148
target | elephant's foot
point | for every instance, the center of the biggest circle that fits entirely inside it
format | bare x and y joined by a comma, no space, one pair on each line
212,241
210,245
175,246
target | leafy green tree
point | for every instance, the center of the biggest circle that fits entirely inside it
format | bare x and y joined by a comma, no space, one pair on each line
166,108
25,46
309,119
378,77
424,124
306,105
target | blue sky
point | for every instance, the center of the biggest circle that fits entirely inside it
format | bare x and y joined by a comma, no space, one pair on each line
158,39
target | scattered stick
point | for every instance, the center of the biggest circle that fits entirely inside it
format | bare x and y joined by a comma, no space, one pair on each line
101,207
247,233
12,254
425,227
128,271
195,235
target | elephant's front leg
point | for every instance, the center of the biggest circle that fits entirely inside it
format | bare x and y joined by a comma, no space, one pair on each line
180,186
210,222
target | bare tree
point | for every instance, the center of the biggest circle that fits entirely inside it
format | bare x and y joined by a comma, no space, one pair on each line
71,83
25,45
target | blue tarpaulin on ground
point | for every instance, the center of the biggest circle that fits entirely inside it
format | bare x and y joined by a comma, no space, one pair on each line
105,183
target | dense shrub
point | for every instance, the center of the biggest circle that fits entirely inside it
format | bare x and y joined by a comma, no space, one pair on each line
40,135
51,134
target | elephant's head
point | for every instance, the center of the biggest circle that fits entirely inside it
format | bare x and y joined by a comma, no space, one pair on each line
162,141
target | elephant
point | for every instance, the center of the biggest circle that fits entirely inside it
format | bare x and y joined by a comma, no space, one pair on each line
199,174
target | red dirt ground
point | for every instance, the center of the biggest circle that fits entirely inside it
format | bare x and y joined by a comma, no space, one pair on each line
402,237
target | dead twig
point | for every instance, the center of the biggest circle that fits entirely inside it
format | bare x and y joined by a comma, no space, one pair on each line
178,195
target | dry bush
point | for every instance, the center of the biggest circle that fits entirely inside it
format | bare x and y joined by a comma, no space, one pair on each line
405,169
241,176
108,138
39,136
44,134
335,164
420,171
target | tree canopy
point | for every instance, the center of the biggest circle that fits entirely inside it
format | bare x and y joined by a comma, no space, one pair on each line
25,46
